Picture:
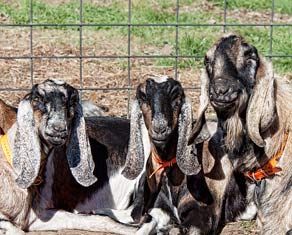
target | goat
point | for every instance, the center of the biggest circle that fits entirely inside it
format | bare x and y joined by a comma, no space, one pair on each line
161,114
48,118
254,118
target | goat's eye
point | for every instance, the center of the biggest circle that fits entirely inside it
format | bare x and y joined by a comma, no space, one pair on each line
143,96
175,101
71,111
39,104
208,64
206,61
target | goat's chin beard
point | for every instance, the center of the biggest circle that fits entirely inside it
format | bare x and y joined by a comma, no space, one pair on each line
234,132
232,123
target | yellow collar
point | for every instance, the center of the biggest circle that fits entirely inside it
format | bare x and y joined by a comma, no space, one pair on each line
6,148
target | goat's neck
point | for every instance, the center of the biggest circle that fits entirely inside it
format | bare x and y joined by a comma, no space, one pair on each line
167,152
242,152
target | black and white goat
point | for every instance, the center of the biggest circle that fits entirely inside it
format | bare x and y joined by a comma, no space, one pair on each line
48,119
161,115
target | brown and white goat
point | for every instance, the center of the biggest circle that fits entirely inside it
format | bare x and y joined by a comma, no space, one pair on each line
48,118
254,110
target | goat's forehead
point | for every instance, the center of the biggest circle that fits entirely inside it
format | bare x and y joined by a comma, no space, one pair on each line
228,45
159,79
52,86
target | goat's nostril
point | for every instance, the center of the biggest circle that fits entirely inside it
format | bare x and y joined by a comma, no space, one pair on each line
220,89
160,130
59,128
163,130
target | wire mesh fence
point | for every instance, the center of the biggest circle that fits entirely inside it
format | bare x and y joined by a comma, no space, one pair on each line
34,60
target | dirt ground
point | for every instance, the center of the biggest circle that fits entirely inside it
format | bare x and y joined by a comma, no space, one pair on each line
237,228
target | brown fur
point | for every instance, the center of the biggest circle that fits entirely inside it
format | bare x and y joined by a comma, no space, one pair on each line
274,210
7,117
263,113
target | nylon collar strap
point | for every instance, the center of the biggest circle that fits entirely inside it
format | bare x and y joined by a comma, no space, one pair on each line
270,167
163,164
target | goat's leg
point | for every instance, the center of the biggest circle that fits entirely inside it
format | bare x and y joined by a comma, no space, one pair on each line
59,220
7,228
156,222
122,216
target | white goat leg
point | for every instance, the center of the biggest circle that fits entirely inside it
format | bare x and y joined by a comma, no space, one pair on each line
7,228
158,222
122,216
56,220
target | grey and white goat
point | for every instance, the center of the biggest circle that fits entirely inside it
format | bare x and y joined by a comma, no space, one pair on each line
48,118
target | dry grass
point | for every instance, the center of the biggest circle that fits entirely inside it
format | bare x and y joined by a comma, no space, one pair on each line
96,73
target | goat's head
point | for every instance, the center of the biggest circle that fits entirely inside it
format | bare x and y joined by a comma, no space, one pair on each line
160,113
240,86
51,116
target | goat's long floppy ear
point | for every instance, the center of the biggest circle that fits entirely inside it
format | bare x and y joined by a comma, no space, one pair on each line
186,160
79,154
139,144
261,111
200,131
26,154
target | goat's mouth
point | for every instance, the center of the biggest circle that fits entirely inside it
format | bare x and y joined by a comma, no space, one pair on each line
159,141
56,140
224,102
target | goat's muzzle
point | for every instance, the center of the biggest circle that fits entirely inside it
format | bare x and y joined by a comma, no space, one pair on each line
223,93
56,135
160,131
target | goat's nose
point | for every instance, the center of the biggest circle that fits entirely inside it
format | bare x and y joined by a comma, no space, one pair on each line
160,129
220,87
159,124
60,127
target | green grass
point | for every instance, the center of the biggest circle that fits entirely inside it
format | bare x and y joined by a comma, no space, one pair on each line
191,40
281,6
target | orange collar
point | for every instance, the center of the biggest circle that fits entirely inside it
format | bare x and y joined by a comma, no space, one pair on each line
162,164
270,167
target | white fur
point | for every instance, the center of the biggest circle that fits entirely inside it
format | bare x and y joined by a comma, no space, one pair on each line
10,229
115,195
146,144
160,78
58,220
249,213
158,221
58,82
